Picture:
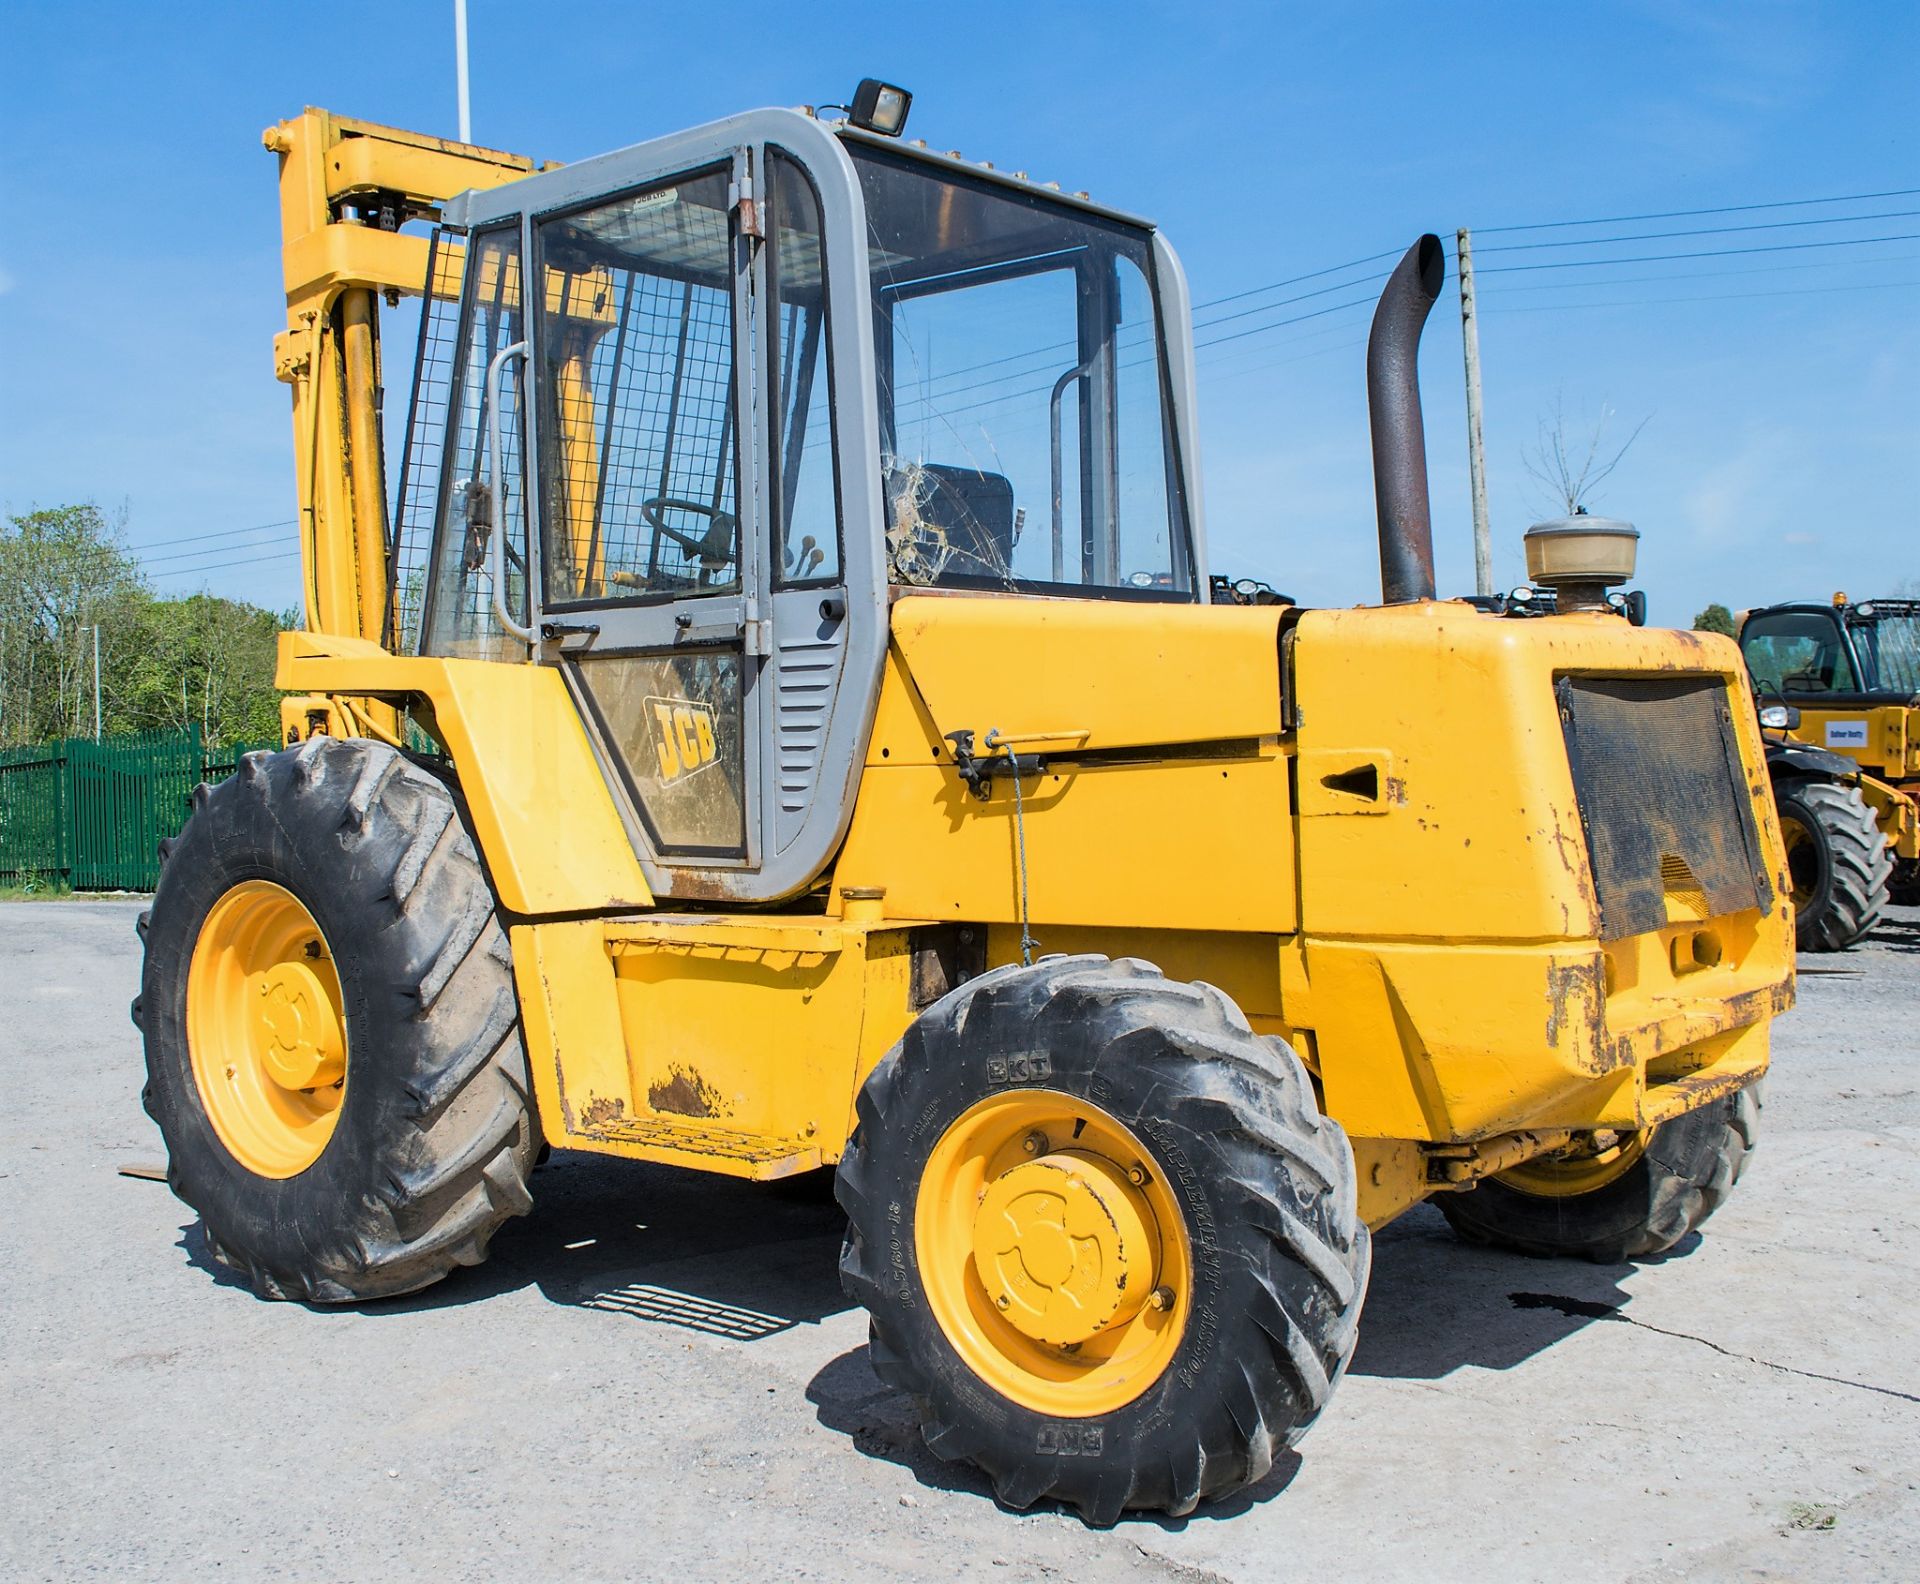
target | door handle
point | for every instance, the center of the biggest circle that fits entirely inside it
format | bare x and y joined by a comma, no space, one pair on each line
710,625
497,556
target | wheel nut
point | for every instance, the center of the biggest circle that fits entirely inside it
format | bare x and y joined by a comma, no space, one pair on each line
1035,1143
1161,1298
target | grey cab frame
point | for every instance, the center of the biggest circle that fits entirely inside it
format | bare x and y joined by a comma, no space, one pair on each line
808,654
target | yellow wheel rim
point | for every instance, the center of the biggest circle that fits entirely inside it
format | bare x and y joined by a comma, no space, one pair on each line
1562,1176
1053,1254
1803,859
265,1029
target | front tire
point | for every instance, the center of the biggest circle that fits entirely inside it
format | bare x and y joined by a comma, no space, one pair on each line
1838,861
1108,1243
333,1043
1644,1200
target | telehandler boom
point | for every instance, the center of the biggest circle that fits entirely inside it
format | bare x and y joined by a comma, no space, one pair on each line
780,722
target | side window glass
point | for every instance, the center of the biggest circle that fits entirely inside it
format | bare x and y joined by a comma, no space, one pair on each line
808,527
1144,505
460,618
1797,652
638,450
675,721
984,477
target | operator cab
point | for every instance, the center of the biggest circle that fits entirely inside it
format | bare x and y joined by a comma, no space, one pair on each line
776,373
1840,653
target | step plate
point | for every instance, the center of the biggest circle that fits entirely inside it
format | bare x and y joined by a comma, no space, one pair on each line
726,1150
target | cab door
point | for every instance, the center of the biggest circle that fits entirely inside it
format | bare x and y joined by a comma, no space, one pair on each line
641,375
692,583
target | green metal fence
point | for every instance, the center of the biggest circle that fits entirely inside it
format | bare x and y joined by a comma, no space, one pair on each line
91,815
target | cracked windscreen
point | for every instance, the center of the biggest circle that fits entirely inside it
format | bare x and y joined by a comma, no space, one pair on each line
1892,644
1024,431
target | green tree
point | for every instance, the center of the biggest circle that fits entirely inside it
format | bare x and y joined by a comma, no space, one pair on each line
165,664
1716,618
199,661
62,570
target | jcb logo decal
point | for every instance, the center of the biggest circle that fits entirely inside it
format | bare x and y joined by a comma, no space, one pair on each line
683,736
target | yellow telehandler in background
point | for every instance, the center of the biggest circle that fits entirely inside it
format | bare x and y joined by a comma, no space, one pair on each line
782,723
1839,692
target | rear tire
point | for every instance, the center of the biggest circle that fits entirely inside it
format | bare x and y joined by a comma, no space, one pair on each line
1684,1174
435,1133
1904,888
1838,860
1258,1186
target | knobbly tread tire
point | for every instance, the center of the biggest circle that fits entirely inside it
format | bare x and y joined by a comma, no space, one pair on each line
1856,868
1280,1256
437,1133
1690,1165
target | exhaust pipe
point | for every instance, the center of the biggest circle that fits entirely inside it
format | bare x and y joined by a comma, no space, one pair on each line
1399,437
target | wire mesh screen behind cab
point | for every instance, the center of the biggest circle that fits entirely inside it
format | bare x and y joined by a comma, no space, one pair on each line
1663,799
424,445
637,375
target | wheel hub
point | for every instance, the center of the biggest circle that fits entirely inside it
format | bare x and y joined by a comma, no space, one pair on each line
266,1029
1064,1248
300,1038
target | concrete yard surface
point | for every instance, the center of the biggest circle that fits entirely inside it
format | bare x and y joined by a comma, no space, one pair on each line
658,1377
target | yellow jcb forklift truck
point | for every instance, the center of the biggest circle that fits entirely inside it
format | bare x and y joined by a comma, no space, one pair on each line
782,723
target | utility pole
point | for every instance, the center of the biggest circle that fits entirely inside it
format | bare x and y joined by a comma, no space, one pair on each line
460,68
96,681
1476,444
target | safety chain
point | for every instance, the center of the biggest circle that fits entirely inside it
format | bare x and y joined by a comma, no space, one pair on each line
1027,942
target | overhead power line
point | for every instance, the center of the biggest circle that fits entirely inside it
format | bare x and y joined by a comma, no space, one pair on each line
1656,236
1654,302
1687,214
219,566
1723,274
1550,225
218,533
210,550
1295,280
1662,258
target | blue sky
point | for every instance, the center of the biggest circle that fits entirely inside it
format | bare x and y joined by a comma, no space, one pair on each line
139,274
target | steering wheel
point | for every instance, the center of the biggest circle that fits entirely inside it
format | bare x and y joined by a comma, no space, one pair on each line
712,549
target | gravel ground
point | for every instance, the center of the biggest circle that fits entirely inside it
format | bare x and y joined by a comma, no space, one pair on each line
657,1376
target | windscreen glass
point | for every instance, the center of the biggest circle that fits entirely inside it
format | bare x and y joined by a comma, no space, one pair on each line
1892,646
1025,433
1797,652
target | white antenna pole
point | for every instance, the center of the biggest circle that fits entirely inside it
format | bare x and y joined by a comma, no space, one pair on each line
96,681
460,67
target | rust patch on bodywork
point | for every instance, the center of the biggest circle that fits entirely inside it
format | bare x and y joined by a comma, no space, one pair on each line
1577,1003
603,1111
684,1092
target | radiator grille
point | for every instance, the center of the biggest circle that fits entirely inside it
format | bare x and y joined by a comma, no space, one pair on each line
1663,800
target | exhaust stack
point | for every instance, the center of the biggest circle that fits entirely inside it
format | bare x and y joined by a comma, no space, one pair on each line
1399,437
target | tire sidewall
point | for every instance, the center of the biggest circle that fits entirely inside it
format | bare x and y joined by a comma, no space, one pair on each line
1683,1151
320,1217
1157,1423
1792,805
